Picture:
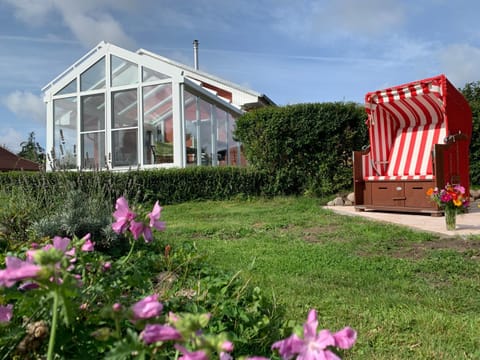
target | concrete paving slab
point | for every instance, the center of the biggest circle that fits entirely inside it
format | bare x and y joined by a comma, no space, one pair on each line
467,223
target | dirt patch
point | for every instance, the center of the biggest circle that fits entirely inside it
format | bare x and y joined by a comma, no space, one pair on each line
317,234
418,250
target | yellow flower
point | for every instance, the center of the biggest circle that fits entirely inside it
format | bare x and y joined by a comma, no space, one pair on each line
457,202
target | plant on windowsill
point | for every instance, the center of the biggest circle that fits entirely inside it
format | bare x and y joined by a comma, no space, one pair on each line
452,200
163,152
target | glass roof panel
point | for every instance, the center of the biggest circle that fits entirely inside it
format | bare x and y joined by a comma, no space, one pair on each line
152,75
70,88
124,72
94,77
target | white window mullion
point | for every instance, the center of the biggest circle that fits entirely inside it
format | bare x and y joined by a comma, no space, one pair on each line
108,113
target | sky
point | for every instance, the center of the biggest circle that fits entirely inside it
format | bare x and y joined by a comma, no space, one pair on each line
302,51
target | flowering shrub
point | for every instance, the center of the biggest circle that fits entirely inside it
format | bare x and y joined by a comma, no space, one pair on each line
452,197
71,276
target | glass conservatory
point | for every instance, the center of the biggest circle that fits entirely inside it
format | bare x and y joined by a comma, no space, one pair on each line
115,109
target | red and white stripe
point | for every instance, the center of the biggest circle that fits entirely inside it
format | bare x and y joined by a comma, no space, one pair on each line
404,125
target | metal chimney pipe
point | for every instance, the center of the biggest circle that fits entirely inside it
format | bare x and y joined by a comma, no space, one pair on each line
195,54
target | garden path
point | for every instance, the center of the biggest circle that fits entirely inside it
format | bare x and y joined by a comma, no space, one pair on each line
467,224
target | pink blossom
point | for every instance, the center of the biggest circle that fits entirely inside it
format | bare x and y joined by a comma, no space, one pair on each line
225,356
315,345
60,243
116,307
345,338
6,313
88,246
123,216
157,332
227,346
107,266
136,228
155,216
147,308
17,270
194,355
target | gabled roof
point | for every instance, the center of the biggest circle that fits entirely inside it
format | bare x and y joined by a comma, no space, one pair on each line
224,90
10,161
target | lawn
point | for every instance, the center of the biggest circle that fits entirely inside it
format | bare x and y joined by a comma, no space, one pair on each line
410,295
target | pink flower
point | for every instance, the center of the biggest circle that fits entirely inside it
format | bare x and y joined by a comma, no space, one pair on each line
345,338
17,270
60,243
313,345
116,307
157,332
6,313
136,228
187,355
123,215
227,346
155,216
147,308
107,266
88,245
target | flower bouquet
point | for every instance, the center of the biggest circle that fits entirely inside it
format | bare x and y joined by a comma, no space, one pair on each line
452,199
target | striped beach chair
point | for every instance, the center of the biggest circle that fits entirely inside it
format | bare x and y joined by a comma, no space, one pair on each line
419,138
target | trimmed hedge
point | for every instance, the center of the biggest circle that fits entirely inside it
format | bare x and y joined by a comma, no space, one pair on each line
169,186
304,148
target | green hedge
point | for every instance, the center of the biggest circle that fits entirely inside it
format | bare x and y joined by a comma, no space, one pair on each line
304,147
169,186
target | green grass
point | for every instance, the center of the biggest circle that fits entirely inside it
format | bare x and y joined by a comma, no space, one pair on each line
406,300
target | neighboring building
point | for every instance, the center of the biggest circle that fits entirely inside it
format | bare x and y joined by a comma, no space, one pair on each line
117,109
9,161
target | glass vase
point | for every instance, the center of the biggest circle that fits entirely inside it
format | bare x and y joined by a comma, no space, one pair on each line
451,218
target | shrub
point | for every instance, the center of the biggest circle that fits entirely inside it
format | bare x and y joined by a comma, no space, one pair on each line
304,147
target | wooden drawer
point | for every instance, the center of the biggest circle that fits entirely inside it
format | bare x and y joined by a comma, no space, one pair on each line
388,193
416,194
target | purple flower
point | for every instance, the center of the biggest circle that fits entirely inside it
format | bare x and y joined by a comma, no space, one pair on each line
17,270
6,313
313,345
147,308
194,355
157,332
257,358
88,245
155,216
123,215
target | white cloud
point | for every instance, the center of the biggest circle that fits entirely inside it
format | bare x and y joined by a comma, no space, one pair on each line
26,105
32,12
10,139
460,62
89,21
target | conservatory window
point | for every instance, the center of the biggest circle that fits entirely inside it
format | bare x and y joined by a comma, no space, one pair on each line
123,72
65,132
152,75
124,128
94,77
92,130
157,124
199,130
221,118
70,88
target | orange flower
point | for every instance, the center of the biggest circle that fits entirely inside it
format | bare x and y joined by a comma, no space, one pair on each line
430,192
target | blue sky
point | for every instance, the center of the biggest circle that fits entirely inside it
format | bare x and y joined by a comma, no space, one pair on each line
292,51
